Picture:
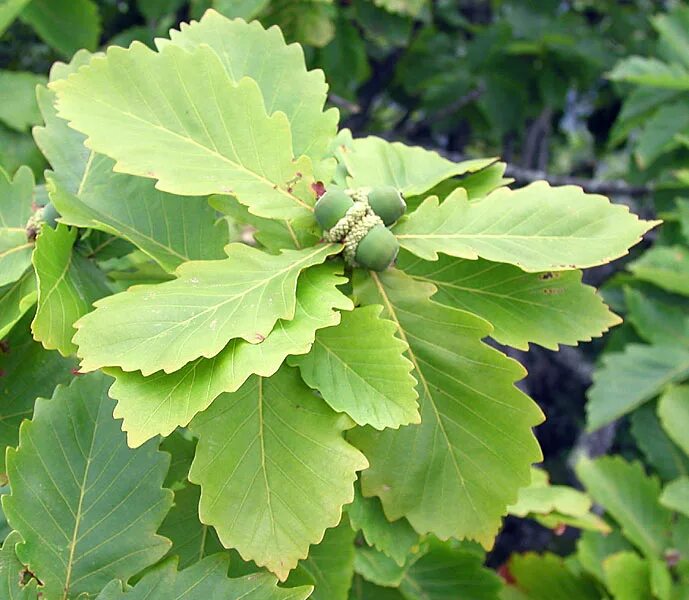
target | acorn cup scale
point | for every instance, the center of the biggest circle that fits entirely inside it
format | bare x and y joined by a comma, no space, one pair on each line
331,207
377,250
387,203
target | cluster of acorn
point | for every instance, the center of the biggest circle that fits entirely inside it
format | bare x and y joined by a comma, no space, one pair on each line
360,219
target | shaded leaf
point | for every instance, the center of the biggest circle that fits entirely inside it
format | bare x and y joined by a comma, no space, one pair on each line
545,577
197,314
395,538
28,371
628,379
67,25
16,299
329,566
68,284
16,196
675,496
18,108
378,568
656,321
9,11
664,266
627,576
291,469
97,501
548,308
593,548
630,497
474,422
660,132
373,161
160,402
196,132
673,411
204,580
536,228
359,368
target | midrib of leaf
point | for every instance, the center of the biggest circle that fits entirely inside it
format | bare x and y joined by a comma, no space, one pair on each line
13,250
422,379
77,519
263,456
87,170
215,152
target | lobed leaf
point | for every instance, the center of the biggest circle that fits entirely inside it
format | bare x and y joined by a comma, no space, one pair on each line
86,505
475,425
286,86
536,228
159,403
675,496
673,411
627,576
359,368
289,471
12,571
548,308
546,577
664,266
182,121
165,326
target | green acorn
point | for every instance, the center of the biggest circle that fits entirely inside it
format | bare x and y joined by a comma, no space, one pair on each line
377,250
49,215
387,203
331,207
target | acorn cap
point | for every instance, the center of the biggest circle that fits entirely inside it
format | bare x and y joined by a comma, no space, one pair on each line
49,215
378,249
331,207
387,203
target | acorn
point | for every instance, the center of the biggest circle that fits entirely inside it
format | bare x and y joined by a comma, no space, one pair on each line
387,203
377,250
49,215
331,207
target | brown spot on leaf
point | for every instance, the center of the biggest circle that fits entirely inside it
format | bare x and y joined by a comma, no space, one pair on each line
260,337
5,346
553,291
75,371
548,275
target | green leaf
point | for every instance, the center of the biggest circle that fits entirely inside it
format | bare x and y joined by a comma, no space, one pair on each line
204,580
474,423
245,9
631,498
97,501
673,411
655,320
660,133
273,468
359,368
378,568
537,228
309,22
447,573
548,308
157,9
87,193
11,573
28,371
540,497
9,11
594,548
68,284
18,108
395,539
546,577
15,300
191,539
182,121
673,27
159,403
664,266
660,451
404,7
372,161
16,195
286,87
675,496
329,566
627,576
628,379
651,72
67,25
364,590
197,314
